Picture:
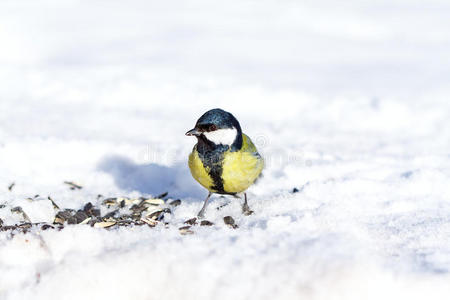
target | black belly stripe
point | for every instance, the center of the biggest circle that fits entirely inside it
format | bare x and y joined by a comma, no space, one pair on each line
212,157
213,163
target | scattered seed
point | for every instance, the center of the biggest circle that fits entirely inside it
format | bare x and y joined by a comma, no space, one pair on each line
47,226
88,207
206,223
72,220
17,209
230,222
106,224
175,202
154,201
11,186
25,225
7,228
110,202
111,214
157,214
192,221
55,206
85,221
58,220
149,221
185,230
162,195
80,216
62,216
73,186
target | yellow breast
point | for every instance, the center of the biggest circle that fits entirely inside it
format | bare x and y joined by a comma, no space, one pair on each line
198,170
240,169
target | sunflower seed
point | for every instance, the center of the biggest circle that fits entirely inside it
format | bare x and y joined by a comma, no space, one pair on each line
55,206
175,202
162,195
155,213
111,214
230,222
73,186
19,210
206,223
25,225
6,228
85,221
149,221
154,201
185,230
10,187
110,201
80,216
72,220
192,221
104,224
47,226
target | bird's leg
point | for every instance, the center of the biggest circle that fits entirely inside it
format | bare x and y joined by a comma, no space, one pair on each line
201,213
245,209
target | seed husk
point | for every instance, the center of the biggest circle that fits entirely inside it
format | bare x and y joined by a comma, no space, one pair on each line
230,222
86,221
206,223
80,216
111,214
162,195
105,224
185,230
19,210
6,228
149,221
155,213
62,216
55,206
11,186
192,221
154,201
73,186
25,225
110,201
175,202
47,226
72,220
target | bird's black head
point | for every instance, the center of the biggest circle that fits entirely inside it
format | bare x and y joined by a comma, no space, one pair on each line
217,127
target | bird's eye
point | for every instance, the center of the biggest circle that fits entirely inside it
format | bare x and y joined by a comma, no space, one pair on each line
212,127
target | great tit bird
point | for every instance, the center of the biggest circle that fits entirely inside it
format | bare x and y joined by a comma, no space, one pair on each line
224,160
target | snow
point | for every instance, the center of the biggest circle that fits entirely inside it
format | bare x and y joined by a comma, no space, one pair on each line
347,102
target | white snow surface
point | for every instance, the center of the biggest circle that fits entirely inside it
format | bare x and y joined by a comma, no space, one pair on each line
348,101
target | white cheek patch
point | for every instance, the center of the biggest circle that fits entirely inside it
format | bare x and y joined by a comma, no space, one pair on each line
222,136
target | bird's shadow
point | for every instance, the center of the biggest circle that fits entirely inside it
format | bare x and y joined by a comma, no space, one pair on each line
152,178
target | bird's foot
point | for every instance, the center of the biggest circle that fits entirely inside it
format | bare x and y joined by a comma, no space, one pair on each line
246,210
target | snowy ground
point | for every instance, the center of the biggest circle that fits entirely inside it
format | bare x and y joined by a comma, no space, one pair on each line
348,102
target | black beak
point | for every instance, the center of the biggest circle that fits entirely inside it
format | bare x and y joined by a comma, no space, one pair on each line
193,132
